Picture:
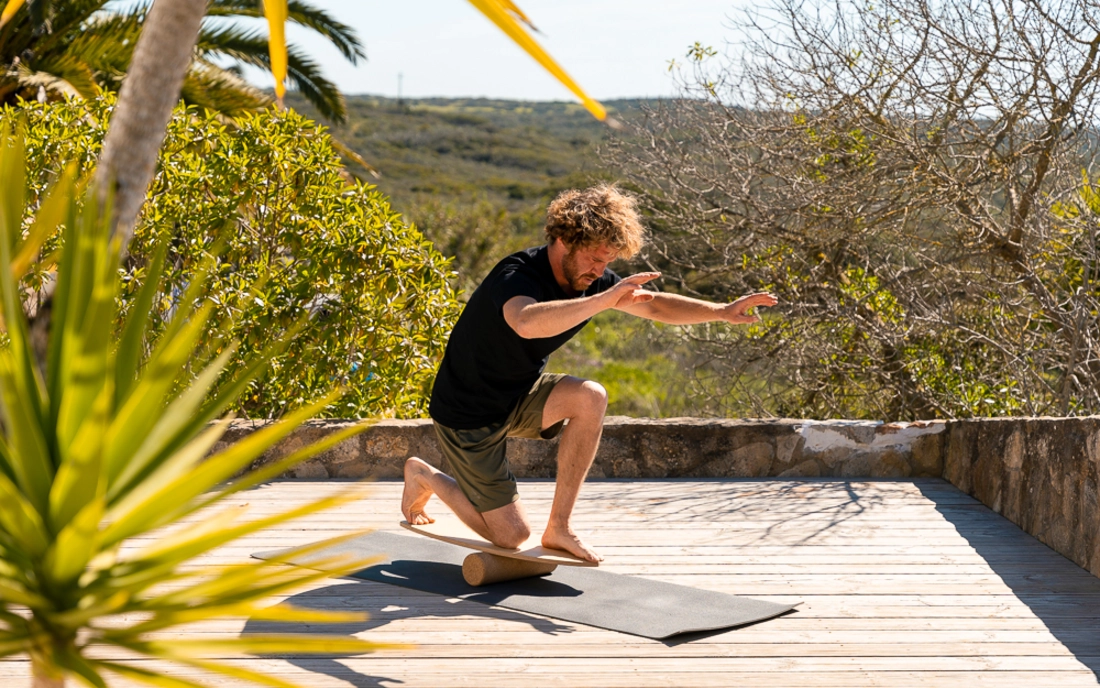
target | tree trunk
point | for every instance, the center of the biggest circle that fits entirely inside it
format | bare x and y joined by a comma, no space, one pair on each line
150,91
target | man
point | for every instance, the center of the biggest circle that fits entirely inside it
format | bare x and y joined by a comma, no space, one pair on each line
490,385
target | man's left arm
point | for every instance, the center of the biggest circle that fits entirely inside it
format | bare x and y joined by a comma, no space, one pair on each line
674,309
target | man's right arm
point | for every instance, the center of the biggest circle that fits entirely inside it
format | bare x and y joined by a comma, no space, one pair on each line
532,319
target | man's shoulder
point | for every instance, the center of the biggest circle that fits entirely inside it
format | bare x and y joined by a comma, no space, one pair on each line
519,274
528,258
530,263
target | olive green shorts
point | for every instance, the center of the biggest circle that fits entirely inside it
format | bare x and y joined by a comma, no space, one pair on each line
476,457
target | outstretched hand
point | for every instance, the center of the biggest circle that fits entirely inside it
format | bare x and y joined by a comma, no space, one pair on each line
629,291
737,313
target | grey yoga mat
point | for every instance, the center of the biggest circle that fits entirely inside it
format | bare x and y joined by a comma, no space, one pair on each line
639,606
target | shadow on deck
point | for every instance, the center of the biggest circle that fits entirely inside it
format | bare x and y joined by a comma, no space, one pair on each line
1054,588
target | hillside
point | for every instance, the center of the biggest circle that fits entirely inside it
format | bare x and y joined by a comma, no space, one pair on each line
509,152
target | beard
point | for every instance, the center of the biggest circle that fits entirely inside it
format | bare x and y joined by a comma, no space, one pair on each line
577,280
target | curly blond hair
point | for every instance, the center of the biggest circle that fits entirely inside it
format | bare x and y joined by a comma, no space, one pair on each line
598,215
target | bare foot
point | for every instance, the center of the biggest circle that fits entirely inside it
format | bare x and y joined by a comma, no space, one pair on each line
556,537
417,493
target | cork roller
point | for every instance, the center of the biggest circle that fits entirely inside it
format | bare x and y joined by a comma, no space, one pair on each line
482,568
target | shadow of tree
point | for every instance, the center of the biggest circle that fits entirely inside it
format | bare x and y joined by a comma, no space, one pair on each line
664,503
386,604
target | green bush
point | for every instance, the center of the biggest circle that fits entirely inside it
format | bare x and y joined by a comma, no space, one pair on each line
320,245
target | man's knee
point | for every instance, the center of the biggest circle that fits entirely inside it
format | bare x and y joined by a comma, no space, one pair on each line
511,537
593,397
508,525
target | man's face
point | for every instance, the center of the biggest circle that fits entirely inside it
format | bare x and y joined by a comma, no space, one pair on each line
583,265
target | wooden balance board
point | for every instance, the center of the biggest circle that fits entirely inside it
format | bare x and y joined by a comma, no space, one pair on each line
493,564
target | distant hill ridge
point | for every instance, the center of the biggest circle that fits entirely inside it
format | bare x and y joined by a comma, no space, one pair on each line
461,149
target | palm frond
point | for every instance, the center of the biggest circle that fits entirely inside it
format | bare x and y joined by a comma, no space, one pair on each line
250,47
78,62
305,75
247,46
106,44
216,88
341,35
29,83
65,22
65,74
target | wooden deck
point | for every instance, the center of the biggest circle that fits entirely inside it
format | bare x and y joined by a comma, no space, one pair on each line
903,583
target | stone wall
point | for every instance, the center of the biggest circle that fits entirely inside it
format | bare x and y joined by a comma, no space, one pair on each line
1042,474
648,448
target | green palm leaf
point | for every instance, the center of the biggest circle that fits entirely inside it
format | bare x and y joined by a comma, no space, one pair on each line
51,214
65,74
216,88
342,36
251,48
21,388
82,47
114,445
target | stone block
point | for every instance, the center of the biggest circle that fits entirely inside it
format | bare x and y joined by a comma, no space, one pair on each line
891,463
833,459
310,470
353,471
753,460
855,465
393,469
926,456
427,448
385,445
788,449
958,455
615,458
807,469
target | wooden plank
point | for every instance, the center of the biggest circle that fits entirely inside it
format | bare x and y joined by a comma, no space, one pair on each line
655,665
641,565
1032,655
410,622
411,612
959,528
729,537
386,518
329,673
764,550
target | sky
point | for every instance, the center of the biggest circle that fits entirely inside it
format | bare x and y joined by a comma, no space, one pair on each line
612,48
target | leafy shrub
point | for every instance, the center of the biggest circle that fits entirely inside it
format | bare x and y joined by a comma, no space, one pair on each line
319,244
